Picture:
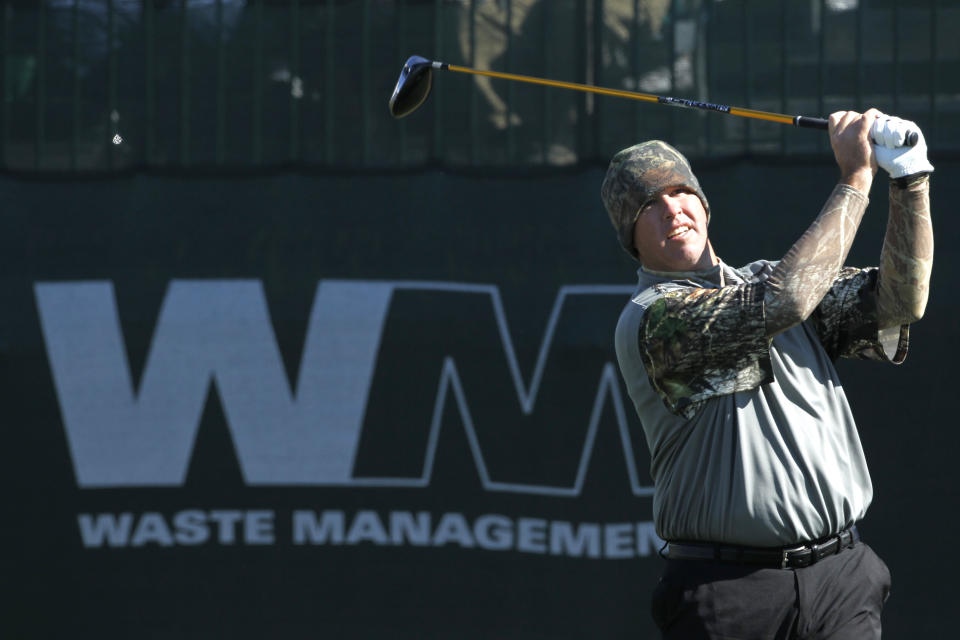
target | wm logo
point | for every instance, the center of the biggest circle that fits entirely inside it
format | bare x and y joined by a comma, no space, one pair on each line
382,363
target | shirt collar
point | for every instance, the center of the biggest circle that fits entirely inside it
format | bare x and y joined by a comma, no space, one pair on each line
716,276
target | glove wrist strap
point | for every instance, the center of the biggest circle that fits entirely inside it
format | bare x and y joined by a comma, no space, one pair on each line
904,182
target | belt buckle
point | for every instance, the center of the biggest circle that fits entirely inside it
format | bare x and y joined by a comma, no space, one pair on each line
785,554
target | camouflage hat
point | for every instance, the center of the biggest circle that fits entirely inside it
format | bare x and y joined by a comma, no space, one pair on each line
636,175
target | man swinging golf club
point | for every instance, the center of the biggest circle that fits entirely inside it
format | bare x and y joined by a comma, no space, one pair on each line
758,470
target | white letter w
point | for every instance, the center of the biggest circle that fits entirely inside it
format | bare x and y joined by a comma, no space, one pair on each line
212,330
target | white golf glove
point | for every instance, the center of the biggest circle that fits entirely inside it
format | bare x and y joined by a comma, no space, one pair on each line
888,135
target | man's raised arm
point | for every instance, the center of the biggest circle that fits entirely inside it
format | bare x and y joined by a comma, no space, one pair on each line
907,256
808,270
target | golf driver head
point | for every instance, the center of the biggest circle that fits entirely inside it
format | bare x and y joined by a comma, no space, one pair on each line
413,86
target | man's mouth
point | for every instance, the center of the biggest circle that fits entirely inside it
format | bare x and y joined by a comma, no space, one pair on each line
679,231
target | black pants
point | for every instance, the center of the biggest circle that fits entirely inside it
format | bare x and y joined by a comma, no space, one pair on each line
838,598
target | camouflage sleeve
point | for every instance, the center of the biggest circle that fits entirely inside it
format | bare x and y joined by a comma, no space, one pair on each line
907,256
866,313
807,271
846,320
698,343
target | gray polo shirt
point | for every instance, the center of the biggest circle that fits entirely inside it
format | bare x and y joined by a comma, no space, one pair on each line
752,441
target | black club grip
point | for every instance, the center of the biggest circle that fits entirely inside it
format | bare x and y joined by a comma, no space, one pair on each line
821,123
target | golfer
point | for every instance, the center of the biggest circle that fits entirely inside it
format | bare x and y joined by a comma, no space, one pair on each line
759,474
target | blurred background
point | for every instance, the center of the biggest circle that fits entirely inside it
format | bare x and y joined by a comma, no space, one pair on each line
99,85
275,364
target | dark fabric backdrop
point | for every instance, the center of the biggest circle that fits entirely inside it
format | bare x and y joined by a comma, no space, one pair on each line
541,247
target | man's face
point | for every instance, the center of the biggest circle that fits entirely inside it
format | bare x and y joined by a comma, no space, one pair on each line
670,232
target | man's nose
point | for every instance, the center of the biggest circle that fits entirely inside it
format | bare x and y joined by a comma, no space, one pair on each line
671,207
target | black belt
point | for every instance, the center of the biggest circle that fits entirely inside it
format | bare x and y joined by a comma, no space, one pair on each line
793,557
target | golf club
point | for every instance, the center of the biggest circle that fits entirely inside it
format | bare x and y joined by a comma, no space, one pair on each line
416,79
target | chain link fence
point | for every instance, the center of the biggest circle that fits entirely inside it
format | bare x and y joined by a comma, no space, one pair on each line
115,85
